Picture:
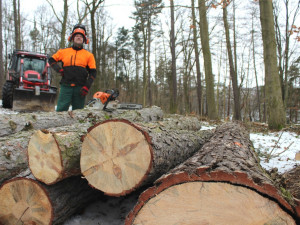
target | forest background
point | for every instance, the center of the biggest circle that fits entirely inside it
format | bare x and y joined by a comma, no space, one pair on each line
209,58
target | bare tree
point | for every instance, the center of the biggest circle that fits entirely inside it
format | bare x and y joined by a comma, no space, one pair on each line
16,6
62,21
2,74
199,85
173,108
283,40
232,69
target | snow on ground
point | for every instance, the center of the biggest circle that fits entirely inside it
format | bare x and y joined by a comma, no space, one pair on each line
277,149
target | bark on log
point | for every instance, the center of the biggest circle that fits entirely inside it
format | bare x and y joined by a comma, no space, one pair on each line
118,156
13,158
13,147
13,123
54,154
222,183
291,181
26,201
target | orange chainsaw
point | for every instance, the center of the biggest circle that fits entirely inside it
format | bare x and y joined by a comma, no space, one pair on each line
105,97
101,100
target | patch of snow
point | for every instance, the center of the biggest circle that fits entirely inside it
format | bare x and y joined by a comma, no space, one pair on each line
207,126
6,111
282,145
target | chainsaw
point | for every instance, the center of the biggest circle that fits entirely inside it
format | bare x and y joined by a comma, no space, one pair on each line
108,101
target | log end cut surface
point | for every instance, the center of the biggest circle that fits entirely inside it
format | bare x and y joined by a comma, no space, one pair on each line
44,157
209,203
115,157
23,201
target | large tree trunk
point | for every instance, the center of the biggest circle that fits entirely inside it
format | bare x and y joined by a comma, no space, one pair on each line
13,123
222,183
26,201
275,108
209,77
118,156
54,154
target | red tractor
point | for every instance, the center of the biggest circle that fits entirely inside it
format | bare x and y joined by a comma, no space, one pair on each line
28,83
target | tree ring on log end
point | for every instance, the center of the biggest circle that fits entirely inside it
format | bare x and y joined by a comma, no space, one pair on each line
44,157
115,157
210,203
24,201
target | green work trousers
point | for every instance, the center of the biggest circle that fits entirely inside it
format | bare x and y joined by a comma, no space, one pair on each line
70,96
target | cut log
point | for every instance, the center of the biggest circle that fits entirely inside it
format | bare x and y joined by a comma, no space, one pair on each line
13,158
13,123
26,201
118,156
13,147
222,183
53,156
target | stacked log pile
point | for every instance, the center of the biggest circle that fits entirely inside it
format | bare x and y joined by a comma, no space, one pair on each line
205,177
222,183
16,130
54,153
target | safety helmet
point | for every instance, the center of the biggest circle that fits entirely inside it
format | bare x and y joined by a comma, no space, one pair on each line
79,29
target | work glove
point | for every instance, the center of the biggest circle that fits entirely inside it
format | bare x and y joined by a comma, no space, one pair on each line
84,91
61,71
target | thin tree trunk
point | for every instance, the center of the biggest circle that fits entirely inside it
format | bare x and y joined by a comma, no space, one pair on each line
148,62
64,25
255,71
233,74
16,24
144,64
173,108
2,74
199,85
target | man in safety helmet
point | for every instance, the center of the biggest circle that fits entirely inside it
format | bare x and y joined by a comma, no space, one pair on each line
78,70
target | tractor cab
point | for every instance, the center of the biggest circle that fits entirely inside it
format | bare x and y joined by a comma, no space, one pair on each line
28,84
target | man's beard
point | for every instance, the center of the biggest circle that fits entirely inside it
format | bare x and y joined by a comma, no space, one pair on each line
77,45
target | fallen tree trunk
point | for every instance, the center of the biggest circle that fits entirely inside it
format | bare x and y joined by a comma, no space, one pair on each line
14,146
26,201
222,183
13,123
118,156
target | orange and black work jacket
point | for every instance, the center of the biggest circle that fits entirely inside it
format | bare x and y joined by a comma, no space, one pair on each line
79,66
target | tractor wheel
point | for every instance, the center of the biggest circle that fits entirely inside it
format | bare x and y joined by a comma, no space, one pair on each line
7,95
